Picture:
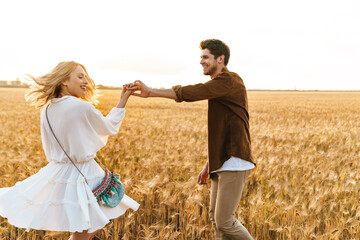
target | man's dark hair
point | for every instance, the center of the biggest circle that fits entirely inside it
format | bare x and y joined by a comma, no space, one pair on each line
216,48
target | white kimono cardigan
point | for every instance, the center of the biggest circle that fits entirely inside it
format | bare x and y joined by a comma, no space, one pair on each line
57,197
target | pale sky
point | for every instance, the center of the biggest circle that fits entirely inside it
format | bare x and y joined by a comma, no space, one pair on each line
279,44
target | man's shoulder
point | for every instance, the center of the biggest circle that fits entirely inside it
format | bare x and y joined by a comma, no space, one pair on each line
233,79
228,75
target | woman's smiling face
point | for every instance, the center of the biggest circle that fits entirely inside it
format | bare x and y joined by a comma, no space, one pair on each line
76,84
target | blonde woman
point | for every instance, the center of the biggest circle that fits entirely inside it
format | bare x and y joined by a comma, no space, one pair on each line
57,198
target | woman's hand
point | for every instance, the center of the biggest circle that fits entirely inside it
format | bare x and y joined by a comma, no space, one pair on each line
125,94
126,91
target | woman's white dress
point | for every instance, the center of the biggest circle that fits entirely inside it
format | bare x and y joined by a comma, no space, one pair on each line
57,197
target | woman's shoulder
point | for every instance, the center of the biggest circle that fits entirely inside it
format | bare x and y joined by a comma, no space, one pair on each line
72,104
71,100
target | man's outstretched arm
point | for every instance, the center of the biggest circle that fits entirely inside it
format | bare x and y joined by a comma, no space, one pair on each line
146,92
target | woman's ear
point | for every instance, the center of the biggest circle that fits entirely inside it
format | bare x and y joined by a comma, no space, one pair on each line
64,83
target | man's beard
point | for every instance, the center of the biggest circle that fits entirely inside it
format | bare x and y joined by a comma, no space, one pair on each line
210,71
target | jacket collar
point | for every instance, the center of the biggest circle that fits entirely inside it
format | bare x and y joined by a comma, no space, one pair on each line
224,69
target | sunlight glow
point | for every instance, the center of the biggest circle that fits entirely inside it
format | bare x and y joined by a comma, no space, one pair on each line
274,44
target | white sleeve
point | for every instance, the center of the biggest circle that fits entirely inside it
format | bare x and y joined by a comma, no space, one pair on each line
105,126
93,129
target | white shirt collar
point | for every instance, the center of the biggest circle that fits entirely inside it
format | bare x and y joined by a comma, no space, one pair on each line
66,97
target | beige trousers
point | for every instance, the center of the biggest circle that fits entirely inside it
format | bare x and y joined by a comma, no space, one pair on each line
226,190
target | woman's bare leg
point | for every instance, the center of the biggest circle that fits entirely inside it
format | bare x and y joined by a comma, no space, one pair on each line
83,235
94,233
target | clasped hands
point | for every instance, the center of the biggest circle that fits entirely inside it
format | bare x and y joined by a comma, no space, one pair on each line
137,86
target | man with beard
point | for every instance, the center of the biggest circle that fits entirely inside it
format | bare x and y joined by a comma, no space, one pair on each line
230,158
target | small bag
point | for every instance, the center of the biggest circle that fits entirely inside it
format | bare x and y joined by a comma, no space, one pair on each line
110,191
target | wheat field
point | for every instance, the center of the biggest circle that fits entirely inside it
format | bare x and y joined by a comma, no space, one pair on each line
305,185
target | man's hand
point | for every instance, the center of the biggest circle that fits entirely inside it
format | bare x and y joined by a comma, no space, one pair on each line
203,176
139,86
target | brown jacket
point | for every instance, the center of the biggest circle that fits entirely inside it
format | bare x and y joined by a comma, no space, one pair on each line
228,117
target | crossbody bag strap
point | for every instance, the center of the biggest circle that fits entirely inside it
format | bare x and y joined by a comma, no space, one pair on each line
46,112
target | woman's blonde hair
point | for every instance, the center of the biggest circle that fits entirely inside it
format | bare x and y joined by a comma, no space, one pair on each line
48,86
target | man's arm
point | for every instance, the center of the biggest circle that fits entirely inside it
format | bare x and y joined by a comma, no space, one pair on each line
164,93
218,87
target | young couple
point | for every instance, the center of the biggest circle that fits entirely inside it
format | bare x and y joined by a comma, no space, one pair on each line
57,198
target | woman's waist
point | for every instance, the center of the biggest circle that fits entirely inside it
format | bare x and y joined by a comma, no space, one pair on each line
74,159
67,172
